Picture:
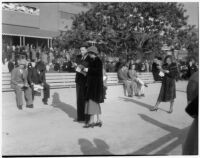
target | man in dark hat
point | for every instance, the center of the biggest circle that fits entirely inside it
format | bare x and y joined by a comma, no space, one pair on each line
19,83
81,78
37,76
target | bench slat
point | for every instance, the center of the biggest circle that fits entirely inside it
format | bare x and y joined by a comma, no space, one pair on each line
59,80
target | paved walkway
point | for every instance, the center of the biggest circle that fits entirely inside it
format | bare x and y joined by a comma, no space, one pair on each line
129,127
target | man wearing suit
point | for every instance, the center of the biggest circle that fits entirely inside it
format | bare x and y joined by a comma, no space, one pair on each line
123,78
36,76
81,77
19,83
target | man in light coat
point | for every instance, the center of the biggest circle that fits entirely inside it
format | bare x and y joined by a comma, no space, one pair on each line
19,83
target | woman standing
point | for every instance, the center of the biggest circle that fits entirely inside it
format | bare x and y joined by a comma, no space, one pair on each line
94,94
168,88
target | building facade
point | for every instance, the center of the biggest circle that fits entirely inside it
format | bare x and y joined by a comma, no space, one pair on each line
37,23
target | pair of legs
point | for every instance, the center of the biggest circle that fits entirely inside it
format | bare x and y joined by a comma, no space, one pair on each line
27,96
91,121
155,108
140,87
93,109
80,94
127,87
46,93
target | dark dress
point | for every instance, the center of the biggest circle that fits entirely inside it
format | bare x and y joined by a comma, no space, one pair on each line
168,88
94,94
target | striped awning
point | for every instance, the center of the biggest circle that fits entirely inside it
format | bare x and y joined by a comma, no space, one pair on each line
14,30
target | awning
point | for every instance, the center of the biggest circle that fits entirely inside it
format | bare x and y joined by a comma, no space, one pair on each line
14,30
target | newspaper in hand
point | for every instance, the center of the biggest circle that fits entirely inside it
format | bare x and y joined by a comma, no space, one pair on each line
78,69
161,74
37,87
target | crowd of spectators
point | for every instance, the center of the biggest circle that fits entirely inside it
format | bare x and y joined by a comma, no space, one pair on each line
62,60
54,58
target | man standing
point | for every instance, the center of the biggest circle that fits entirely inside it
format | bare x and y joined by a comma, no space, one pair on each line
19,83
81,78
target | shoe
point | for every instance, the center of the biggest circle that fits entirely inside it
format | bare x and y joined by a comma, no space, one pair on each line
154,109
99,124
19,107
29,106
142,95
170,111
44,102
89,125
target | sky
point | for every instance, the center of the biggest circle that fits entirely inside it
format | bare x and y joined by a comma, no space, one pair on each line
193,12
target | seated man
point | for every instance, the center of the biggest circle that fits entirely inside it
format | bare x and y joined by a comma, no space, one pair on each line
123,78
19,83
36,78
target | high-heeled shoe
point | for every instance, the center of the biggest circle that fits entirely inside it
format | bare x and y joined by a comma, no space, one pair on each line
153,109
99,124
89,125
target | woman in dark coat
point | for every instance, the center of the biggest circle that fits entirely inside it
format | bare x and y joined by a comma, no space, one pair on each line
94,93
168,88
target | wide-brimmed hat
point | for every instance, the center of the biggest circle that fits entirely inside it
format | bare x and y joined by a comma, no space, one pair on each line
93,49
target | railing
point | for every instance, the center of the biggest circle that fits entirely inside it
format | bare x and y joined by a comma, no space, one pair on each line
67,80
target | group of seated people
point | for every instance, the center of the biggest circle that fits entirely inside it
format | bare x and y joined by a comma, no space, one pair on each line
132,84
31,79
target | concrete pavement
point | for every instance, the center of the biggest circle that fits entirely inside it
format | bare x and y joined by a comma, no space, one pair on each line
129,128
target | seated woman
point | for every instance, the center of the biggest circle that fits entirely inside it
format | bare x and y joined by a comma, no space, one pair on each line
133,77
137,84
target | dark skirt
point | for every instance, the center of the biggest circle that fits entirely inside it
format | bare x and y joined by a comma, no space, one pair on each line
92,108
168,90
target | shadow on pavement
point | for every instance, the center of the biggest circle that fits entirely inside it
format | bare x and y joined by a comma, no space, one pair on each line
137,102
100,147
175,138
141,103
161,146
68,109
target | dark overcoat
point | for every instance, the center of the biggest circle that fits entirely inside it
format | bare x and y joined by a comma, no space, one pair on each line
80,78
95,81
168,87
81,88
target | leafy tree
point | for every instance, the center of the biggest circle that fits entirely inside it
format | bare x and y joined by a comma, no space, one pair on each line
128,27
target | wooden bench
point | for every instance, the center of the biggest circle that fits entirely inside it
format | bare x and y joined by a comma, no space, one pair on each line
67,80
